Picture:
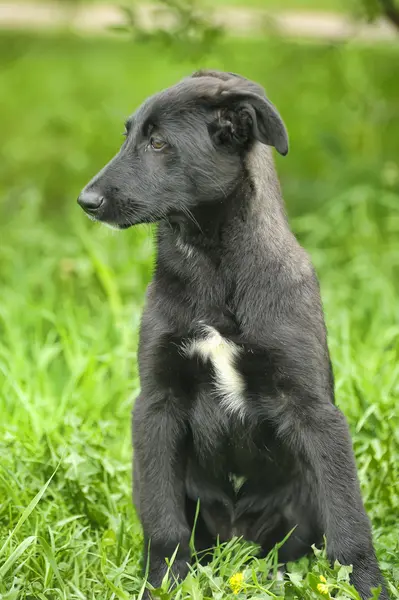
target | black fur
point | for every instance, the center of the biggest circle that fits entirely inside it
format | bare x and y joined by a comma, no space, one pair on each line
195,160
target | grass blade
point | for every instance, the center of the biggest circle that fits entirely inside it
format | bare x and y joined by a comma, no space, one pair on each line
26,513
16,554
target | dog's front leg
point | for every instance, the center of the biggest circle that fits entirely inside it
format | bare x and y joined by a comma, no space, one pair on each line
159,432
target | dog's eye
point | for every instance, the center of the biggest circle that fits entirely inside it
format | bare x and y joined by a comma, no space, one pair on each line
157,144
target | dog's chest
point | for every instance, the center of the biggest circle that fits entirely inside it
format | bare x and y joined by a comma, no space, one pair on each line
218,383
223,388
226,383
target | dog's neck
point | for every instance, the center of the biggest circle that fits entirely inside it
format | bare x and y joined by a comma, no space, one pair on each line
252,214
208,262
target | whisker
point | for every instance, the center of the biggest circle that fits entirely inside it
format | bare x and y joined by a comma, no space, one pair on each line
190,215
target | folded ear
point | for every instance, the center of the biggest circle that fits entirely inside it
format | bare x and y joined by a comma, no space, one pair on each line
261,115
245,111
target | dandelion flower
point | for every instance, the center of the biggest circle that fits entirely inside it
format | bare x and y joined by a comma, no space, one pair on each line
323,588
236,582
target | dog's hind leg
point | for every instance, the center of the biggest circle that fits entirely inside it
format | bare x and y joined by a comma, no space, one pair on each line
317,435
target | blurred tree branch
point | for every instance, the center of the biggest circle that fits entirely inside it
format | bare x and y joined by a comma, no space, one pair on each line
183,27
391,11
372,9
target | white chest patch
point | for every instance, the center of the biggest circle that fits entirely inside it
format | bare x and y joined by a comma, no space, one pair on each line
229,383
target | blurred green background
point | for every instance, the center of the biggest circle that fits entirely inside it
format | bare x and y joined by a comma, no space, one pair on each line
72,292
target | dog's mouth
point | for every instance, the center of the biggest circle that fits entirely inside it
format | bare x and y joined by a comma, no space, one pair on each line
116,215
112,224
101,210
125,225
119,225
123,222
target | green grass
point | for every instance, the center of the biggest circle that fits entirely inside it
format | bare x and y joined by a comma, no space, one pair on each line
71,295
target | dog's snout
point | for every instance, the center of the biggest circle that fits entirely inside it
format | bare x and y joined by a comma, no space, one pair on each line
90,201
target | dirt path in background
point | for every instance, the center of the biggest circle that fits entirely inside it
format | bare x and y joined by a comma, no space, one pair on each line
96,19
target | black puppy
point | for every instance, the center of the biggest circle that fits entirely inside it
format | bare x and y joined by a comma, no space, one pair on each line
236,379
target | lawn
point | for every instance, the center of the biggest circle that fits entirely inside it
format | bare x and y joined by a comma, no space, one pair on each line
71,295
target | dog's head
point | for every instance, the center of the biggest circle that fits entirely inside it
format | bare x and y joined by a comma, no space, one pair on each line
184,146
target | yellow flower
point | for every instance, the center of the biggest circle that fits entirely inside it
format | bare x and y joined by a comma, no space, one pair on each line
236,582
323,579
323,588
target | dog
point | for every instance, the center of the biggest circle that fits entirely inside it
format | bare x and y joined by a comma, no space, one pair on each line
236,408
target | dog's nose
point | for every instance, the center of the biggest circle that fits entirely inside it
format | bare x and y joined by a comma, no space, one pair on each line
90,201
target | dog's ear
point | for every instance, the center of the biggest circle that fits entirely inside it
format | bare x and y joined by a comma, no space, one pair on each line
246,115
244,112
